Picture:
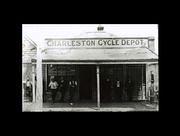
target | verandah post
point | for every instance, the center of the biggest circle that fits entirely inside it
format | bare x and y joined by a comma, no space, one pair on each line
39,91
98,86
33,80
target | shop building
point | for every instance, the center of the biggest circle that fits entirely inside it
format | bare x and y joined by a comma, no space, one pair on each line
107,68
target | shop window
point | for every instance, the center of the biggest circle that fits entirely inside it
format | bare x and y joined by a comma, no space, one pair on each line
58,71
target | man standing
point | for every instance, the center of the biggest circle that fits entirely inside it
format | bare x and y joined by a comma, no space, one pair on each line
107,90
29,89
73,88
129,89
53,87
118,90
152,88
62,86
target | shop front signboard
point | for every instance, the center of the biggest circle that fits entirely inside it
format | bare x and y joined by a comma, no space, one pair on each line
96,42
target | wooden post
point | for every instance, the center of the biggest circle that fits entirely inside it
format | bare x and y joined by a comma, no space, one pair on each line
23,99
33,82
124,78
143,84
142,97
45,76
147,82
39,91
98,87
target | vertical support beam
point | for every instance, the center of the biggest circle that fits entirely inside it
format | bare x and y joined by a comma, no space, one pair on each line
142,83
157,68
39,91
124,77
78,80
23,99
141,97
45,75
147,82
33,82
98,86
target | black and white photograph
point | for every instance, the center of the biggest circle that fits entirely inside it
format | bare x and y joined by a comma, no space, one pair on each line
90,68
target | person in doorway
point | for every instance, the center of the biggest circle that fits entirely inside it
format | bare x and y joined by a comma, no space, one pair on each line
129,89
72,90
108,89
152,88
53,85
62,86
29,89
35,85
118,89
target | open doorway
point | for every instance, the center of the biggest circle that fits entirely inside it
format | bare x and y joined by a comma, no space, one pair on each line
119,83
111,83
87,81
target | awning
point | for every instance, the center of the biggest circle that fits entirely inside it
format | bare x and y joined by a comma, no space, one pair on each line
100,55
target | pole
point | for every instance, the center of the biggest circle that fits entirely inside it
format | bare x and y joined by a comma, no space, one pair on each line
98,87
39,91
33,81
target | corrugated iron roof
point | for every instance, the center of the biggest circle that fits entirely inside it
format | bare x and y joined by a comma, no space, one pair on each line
120,54
96,34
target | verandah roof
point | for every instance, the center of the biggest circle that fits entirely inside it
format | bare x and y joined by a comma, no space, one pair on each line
113,54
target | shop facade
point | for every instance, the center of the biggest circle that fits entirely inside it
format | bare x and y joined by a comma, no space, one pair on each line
107,68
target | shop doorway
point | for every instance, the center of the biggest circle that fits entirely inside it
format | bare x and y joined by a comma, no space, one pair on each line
87,81
137,77
114,85
119,83
111,83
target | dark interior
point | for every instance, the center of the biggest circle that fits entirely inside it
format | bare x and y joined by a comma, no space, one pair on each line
86,81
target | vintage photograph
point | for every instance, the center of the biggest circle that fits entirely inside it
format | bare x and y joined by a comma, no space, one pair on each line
90,68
